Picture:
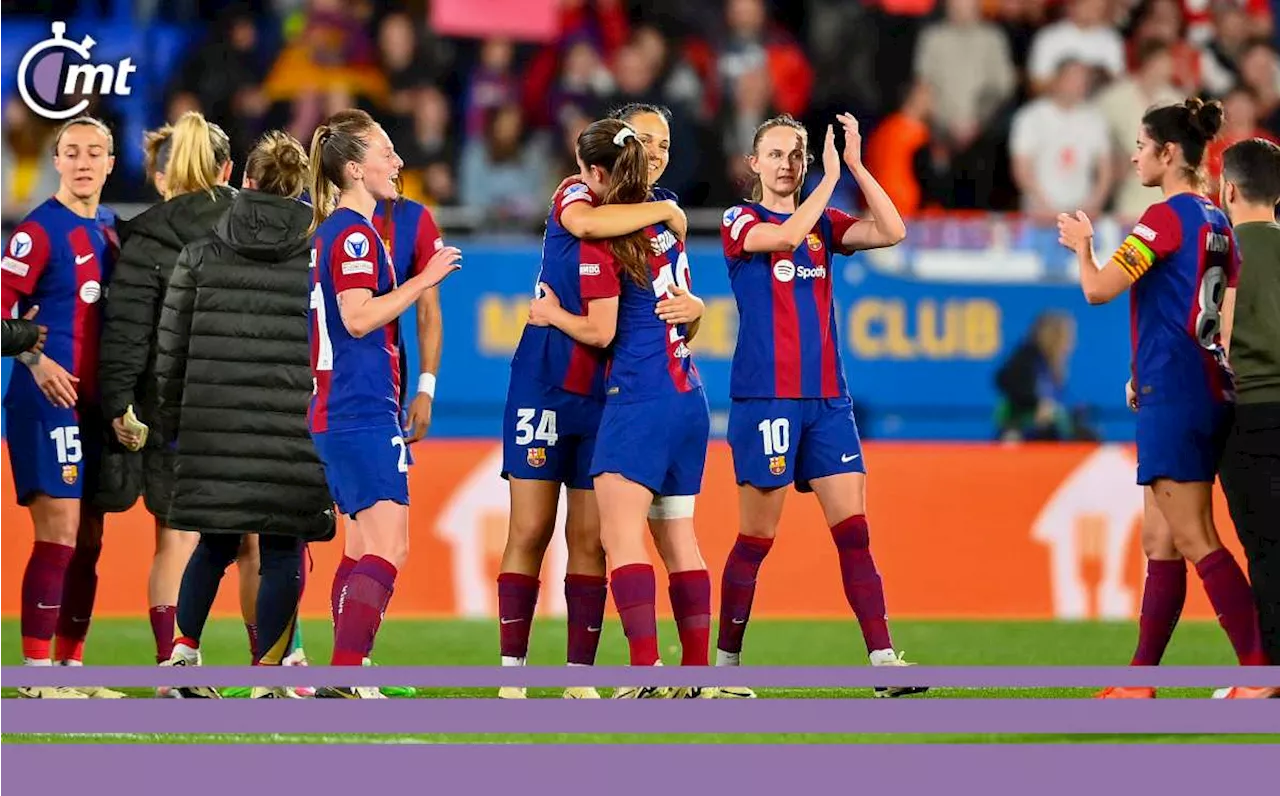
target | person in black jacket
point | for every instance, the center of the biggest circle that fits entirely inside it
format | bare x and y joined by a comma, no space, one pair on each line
1032,383
196,172
234,378
23,334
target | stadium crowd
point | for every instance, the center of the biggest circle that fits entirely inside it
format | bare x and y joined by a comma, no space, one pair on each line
953,92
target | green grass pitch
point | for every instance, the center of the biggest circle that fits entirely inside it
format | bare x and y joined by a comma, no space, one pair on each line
769,642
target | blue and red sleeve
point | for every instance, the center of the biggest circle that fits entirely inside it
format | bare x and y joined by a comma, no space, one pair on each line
737,222
1157,235
25,257
599,272
426,242
353,260
841,222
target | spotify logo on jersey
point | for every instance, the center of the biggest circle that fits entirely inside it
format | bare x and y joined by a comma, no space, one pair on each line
784,270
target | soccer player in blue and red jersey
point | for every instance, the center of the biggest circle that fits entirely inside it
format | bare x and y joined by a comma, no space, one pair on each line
58,259
791,419
1178,264
653,433
553,409
354,415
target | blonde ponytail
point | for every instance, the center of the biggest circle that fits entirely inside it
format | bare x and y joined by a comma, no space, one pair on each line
323,192
198,151
337,142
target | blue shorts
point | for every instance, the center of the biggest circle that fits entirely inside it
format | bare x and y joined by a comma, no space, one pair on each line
549,434
660,443
777,441
364,466
54,452
1181,442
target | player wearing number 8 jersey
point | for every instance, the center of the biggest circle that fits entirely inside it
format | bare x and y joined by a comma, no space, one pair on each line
1178,263
791,420
354,415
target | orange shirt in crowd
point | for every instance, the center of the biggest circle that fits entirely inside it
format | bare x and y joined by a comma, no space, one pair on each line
891,152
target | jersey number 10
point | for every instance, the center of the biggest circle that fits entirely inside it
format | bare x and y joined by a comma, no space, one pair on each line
668,278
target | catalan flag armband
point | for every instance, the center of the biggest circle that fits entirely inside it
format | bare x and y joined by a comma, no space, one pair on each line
1134,258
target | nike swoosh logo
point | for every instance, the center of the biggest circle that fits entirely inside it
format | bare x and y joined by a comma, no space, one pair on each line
847,458
593,630
84,258
44,607
79,619
739,621
510,621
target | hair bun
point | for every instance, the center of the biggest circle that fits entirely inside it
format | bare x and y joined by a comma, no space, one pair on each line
1205,117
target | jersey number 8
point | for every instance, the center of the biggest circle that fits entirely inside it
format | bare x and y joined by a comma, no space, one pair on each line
545,432
1209,320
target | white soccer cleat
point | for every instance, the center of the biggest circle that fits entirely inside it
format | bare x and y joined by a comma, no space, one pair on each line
299,658
890,658
181,658
51,692
511,692
728,692
274,692
99,692
581,692
643,692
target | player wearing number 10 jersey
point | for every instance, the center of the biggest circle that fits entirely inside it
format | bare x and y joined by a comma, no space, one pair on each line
791,419
354,415
1178,264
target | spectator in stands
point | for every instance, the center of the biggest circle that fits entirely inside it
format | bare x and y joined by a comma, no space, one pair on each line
1033,382
427,149
492,85
678,82
1021,20
1123,103
1260,72
1162,22
403,64
1202,19
583,83
501,173
898,150
1222,53
1085,35
28,173
751,43
1061,149
747,105
603,22
224,75
638,70
1239,123
966,61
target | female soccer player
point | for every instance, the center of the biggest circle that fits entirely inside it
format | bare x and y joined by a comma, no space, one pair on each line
355,411
552,412
57,259
791,420
1181,261
653,433
196,170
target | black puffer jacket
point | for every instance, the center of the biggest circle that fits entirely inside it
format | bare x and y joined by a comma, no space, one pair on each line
234,377
150,244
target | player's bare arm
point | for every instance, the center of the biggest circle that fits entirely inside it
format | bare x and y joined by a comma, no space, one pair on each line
1228,318
883,225
430,342
615,220
790,233
681,307
596,328
362,312
1100,285
58,385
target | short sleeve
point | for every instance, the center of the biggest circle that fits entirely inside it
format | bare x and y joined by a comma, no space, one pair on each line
598,271
737,222
353,261
1022,134
1157,235
841,222
426,242
573,192
25,258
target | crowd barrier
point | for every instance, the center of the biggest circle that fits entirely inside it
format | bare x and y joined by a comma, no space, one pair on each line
973,531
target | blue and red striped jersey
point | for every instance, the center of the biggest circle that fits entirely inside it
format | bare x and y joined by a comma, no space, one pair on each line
649,357
409,233
61,262
357,380
788,344
546,354
1182,257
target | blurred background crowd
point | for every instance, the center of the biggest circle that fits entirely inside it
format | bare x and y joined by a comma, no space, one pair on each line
1007,105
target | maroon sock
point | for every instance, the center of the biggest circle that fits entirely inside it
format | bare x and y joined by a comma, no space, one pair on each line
1232,601
1163,595
79,591
738,589
42,587
862,586
584,597
361,605
690,594
339,580
162,630
635,592
251,630
517,600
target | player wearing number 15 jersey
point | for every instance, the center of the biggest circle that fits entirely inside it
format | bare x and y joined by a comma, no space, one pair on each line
791,419
354,415
55,265
1178,264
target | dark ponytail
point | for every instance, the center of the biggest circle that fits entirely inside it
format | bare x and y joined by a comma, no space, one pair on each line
615,147
1189,125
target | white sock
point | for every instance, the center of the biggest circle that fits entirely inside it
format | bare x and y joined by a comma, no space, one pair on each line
70,663
509,660
882,657
572,664
727,658
36,662
189,654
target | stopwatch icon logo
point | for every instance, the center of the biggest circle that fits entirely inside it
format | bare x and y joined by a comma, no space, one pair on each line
58,68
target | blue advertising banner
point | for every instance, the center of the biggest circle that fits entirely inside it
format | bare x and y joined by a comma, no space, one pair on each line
921,353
